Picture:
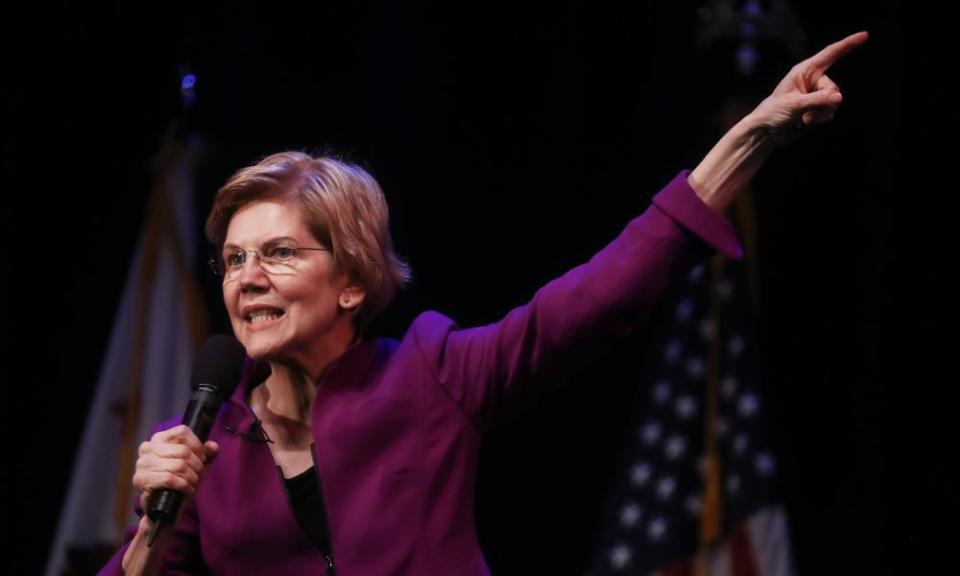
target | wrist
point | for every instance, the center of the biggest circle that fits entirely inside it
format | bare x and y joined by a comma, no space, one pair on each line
139,558
731,164
755,135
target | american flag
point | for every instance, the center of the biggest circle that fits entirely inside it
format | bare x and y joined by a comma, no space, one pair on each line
695,494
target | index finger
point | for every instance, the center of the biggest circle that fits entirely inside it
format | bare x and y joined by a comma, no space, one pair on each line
826,58
180,434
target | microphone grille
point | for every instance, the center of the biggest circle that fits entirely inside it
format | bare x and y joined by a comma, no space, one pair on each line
219,364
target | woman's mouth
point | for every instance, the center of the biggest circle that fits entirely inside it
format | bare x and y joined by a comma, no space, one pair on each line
262,316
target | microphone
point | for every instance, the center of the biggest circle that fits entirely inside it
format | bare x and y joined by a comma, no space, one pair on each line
216,373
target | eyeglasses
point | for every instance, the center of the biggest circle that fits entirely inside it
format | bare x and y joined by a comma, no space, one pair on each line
275,259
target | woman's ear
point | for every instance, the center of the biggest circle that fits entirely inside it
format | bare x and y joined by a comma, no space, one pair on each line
351,297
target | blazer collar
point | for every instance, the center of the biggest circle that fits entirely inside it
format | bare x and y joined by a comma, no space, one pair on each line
349,367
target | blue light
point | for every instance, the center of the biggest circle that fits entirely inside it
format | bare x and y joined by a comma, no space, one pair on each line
747,58
187,82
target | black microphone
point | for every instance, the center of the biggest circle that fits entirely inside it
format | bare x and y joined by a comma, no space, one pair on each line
216,373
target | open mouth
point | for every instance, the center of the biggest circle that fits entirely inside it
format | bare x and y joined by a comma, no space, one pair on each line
263,316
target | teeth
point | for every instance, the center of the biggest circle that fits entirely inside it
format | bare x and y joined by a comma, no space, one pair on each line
263,316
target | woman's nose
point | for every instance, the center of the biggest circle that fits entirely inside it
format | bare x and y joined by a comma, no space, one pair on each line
252,274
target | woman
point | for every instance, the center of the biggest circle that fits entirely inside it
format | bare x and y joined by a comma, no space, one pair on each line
362,454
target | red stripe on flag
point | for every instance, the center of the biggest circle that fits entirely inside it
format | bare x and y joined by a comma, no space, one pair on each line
742,560
679,568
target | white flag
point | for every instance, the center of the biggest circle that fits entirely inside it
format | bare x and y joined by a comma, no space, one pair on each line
145,375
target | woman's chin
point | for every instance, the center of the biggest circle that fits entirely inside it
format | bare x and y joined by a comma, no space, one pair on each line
262,349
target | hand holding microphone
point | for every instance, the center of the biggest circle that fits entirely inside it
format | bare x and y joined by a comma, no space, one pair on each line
173,459
172,463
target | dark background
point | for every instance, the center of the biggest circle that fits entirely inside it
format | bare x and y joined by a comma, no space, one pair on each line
513,140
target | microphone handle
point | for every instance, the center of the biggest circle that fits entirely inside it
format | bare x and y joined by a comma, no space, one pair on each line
199,415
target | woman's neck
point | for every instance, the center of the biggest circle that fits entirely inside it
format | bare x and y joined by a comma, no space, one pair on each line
289,392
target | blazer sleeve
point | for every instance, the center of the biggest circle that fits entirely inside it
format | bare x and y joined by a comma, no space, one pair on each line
489,371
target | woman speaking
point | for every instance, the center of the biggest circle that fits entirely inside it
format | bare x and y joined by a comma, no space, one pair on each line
340,453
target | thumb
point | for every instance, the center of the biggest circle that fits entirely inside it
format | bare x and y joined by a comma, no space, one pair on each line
211,448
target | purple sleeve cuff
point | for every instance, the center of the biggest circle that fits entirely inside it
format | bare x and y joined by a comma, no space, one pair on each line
681,203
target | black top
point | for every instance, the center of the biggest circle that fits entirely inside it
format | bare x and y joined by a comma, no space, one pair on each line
306,500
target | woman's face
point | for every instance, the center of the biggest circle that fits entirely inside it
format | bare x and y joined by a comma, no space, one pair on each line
293,313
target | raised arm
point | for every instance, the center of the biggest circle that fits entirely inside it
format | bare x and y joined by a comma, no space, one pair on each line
490,371
486,370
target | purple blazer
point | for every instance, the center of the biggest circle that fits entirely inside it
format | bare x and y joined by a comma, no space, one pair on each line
398,425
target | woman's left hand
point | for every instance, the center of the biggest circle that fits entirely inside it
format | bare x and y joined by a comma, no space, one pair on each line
805,97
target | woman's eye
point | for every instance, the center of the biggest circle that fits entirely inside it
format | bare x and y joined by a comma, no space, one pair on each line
281,253
234,260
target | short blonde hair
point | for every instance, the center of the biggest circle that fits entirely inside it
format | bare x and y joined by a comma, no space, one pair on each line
342,205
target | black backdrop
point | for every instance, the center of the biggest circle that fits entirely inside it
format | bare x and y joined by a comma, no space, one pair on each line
512,139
